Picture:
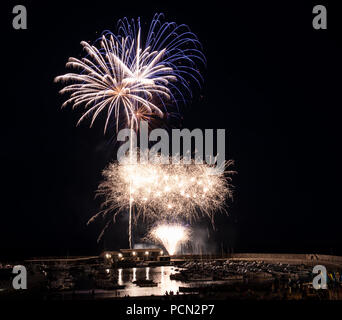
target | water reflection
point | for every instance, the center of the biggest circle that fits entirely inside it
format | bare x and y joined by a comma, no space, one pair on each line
162,275
134,274
120,283
159,275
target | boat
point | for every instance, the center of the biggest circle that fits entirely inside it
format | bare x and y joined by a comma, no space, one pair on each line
142,264
200,278
108,285
145,283
188,289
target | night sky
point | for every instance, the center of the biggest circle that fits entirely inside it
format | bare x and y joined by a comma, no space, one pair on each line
272,81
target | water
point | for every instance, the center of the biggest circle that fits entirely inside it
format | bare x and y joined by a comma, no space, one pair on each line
159,275
126,276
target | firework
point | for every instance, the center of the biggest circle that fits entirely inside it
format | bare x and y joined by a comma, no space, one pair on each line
170,236
164,191
132,78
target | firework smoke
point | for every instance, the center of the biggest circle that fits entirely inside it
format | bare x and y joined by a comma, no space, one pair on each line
170,236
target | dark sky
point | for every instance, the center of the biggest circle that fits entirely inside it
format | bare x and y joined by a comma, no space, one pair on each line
272,81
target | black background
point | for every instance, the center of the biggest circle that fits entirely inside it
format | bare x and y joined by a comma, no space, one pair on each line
271,80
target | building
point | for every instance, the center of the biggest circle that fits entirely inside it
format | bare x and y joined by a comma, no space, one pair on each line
63,261
150,254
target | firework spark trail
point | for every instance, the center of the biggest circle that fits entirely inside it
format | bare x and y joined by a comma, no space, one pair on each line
133,78
126,74
170,236
164,191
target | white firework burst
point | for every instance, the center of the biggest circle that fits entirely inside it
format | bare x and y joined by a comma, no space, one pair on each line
126,74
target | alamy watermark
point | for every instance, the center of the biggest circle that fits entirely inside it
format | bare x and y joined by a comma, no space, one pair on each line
19,21
20,280
181,144
20,18
320,19
320,281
